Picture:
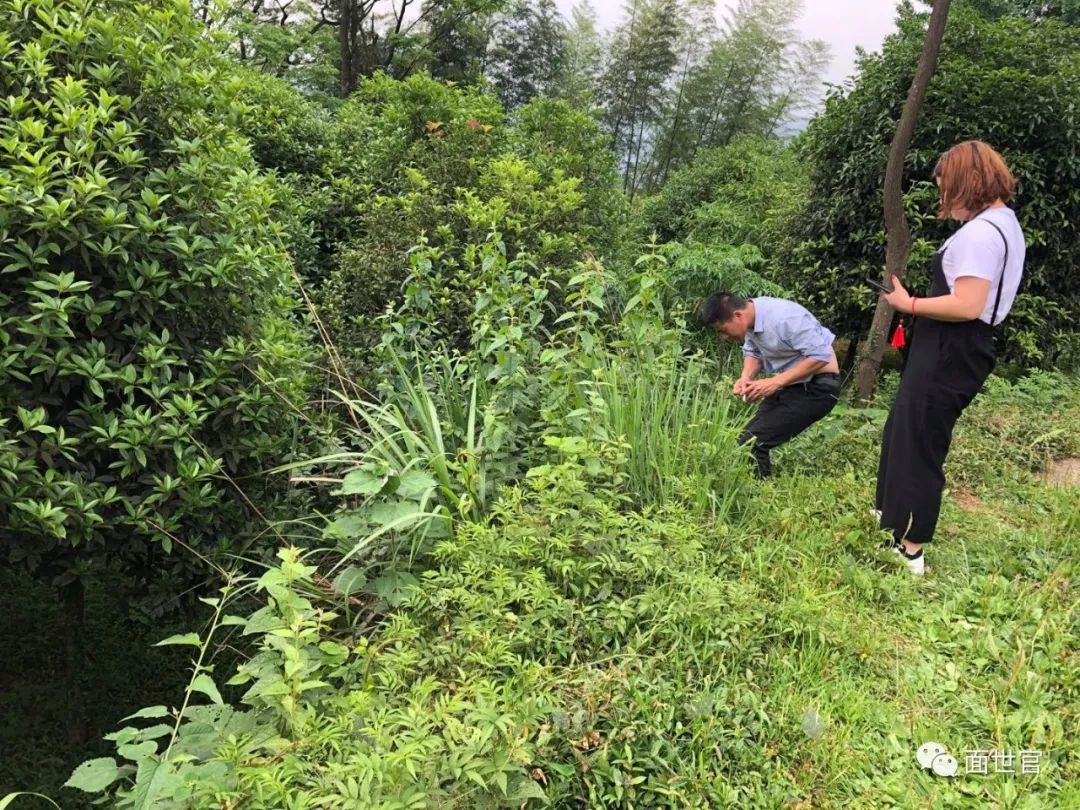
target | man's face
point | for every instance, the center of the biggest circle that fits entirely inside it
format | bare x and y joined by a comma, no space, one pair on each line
735,328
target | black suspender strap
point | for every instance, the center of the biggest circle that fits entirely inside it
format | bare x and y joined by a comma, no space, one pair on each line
1004,264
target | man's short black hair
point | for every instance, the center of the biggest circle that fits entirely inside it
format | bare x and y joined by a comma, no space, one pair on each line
719,307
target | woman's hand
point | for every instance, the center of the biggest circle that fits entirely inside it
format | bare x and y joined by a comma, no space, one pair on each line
899,298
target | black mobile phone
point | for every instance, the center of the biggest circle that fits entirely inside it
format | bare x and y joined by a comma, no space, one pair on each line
883,286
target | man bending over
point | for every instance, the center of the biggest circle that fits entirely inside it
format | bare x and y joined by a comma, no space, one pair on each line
783,339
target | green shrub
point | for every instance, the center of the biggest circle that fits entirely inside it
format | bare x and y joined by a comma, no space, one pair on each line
441,176
745,193
698,270
148,347
556,138
288,133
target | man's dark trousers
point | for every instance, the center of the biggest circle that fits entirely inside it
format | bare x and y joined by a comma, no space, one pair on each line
786,414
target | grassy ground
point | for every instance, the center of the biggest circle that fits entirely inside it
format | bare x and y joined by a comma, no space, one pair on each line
769,656
981,654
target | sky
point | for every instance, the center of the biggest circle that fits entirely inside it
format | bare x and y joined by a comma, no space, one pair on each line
843,24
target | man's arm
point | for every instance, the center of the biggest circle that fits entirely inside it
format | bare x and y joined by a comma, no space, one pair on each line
760,389
810,339
751,367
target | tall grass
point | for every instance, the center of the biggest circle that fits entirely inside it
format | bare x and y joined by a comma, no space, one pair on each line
680,424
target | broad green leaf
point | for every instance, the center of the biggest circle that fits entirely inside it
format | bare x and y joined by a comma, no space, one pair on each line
151,781
394,586
350,581
149,712
349,525
529,789
413,483
395,512
137,751
191,639
205,684
94,775
362,482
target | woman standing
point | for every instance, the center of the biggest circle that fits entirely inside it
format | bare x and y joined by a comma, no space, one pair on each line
975,277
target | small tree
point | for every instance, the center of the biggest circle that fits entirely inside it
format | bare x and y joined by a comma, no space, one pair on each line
899,234
527,51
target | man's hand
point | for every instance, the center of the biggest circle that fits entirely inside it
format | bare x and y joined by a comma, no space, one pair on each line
739,389
760,389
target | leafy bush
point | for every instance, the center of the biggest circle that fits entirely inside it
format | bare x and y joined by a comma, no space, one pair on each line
422,166
1010,82
441,176
745,193
698,270
556,138
147,344
288,133
572,648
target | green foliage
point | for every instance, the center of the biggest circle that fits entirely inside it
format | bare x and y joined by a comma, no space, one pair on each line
998,436
555,137
418,171
461,199
1066,10
745,193
288,133
327,47
578,80
680,431
1012,83
282,43
544,575
695,271
676,83
147,345
571,649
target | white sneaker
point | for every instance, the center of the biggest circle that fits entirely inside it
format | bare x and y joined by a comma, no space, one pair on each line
916,564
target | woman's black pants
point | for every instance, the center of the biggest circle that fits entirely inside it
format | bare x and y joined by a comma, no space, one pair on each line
946,366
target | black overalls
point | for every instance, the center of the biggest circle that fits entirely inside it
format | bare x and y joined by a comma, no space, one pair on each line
947,364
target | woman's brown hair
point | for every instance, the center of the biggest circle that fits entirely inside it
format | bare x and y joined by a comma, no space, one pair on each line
972,175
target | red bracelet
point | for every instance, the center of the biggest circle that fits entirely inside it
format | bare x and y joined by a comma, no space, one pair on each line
913,300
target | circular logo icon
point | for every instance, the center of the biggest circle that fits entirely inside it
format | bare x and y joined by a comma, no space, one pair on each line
927,752
944,765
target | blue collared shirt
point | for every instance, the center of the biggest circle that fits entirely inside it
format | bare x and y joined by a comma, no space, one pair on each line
785,333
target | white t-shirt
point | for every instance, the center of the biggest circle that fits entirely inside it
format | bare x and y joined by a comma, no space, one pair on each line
977,249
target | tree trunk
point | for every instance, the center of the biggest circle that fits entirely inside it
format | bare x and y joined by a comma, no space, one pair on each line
670,147
346,44
896,226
